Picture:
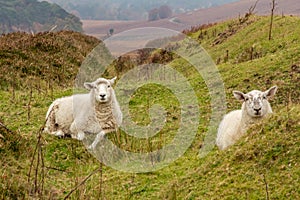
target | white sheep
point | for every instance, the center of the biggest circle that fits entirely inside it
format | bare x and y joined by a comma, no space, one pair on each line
97,112
234,124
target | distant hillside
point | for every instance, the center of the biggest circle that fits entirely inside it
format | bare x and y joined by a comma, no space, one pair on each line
130,9
34,16
196,17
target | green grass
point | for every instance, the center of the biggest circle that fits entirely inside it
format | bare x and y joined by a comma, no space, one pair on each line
267,156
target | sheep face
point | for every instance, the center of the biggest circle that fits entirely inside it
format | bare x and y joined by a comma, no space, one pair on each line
256,102
101,89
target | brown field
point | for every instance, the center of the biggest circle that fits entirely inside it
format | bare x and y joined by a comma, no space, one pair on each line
100,28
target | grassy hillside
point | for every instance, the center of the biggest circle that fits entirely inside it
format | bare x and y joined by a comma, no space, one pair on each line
264,164
43,59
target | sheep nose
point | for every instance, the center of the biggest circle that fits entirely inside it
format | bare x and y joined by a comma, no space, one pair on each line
257,110
102,95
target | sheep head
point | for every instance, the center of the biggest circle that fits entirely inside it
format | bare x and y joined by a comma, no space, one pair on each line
256,102
101,89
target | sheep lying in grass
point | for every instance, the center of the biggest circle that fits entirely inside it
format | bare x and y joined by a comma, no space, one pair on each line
234,124
97,112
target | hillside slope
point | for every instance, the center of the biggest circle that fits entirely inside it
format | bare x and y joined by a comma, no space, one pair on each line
34,16
264,164
44,58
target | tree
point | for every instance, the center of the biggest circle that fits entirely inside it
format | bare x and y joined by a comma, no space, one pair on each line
111,31
153,15
164,12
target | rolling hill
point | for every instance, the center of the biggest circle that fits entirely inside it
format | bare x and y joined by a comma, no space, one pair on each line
33,16
47,58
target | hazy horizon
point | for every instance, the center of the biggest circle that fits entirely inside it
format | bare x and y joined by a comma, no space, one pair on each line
130,9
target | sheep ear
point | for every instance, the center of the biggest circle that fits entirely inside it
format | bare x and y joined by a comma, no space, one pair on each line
89,86
271,92
239,95
112,81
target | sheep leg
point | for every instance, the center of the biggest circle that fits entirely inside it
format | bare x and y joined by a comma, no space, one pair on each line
97,139
80,136
59,134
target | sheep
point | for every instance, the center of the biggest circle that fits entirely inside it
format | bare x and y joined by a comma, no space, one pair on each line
97,112
235,124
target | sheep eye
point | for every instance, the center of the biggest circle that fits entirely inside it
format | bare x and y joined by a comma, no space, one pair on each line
264,97
108,86
246,99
